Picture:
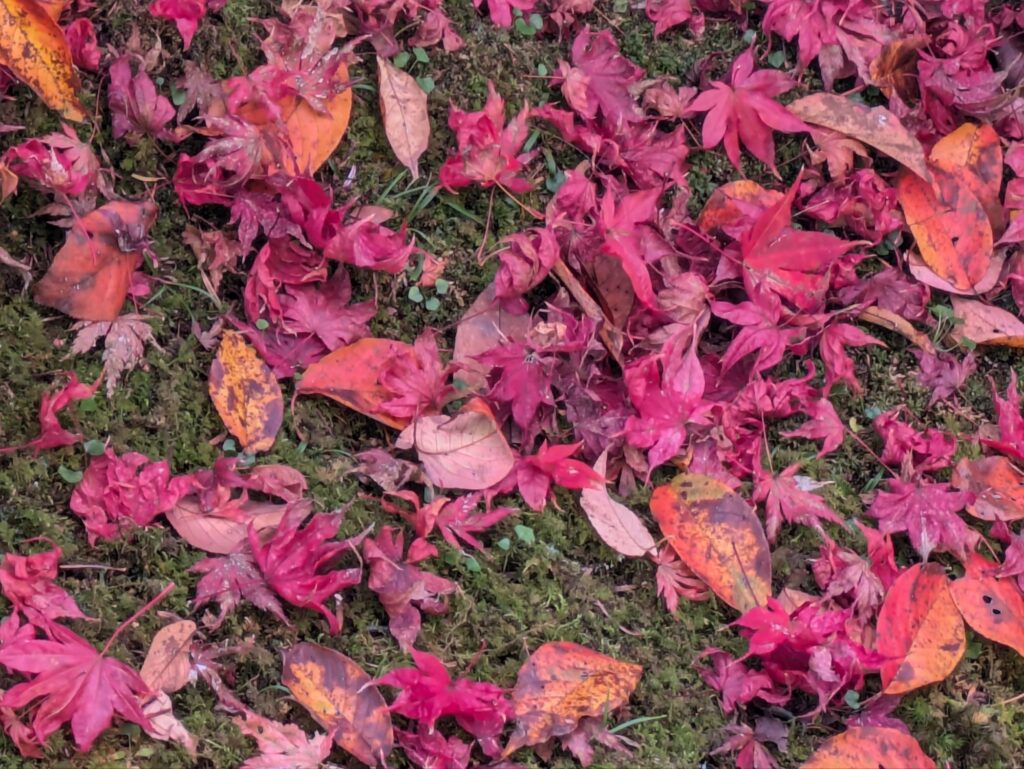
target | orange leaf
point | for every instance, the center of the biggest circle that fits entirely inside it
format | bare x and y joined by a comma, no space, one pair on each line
920,630
246,394
167,665
876,126
340,696
90,275
894,70
735,203
974,156
718,536
984,324
349,376
997,485
403,105
992,607
950,226
315,135
869,747
33,47
562,683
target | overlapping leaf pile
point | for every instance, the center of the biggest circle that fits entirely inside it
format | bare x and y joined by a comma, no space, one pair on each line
621,336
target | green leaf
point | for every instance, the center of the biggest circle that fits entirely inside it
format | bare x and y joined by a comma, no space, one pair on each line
504,543
441,286
471,563
69,475
401,60
852,699
426,83
542,70
524,29
415,294
177,97
432,304
525,534
941,311
94,447
421,55
536,21
262,324
777,59
229,445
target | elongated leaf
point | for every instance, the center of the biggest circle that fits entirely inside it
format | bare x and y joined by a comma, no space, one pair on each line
403,105
246,394
167,663
618,526
973,154
984,324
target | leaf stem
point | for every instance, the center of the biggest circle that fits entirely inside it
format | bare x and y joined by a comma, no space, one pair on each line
120,628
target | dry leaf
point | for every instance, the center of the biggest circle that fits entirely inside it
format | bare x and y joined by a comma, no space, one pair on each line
894,70
218,534
315,135
561,684
997,485
33,47
124,346
167,665
985,324
974,156
246,394
403,105
618,526
869,747
165,726
718,536
484,325
467,451
340,697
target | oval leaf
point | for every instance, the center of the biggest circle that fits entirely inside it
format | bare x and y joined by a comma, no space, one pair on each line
349,376
997,485
876,126
562,683
340,696
314,135
246,394
403,105
869,747
973,154
167,665
218,534
718,536
33,47
618,526
919,630
992,607
984,324
466,451
950,226
485,325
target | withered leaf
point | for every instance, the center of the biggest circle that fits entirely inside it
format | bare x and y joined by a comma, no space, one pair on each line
246,393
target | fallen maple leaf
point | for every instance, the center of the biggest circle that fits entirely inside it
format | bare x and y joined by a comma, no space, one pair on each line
928,513
869,747
342,698
403,105
282,746
561,684
124,344
135,105
51,434
28,583
33,47
186,15
600,79
227,581
246,394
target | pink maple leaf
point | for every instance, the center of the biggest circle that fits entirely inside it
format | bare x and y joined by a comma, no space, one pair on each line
418,383
553,465
911,450
282,746
58,163
823,425
500,11
671,13
428,749
790,497
489,152
744,109
1009,420
927,512
599,80
186,15
230,579
750,745
842,573
675,580
85,50
459,521
832,347
51,434
736,683
28,582
526,259
135,105
522,379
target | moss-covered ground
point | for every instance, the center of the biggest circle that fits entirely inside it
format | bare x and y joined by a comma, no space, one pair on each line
562,583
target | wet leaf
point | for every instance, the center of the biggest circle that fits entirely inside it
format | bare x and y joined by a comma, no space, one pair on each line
718,536
920,630
90,275
340,697
350,376
618,526
403,105
246,394
997,485
950,226
870,747
167,665
986,324
33,47
561,684
467,451
992,607
973,155
875,126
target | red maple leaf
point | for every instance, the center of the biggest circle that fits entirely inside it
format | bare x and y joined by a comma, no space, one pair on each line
824,425
553,465
500,11
736,683
675,580
599,80
230,579
790,497
832,347
927,512
51,434
459,520
137,109
744,108
27,582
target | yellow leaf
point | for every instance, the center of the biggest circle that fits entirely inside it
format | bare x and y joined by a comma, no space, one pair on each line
246,394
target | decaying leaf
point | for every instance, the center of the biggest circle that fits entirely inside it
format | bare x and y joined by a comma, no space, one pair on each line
919,630
467,451
997,485
403,105
124,344
993,607
33,47
618,526
340,697
973,155
718,536
246,393
90,275
875,126
167,665
561,684
869,747
986,324
282,746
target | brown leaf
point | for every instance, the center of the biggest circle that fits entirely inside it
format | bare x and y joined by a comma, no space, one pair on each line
33,47
618,526
403,105
349,376
875,126
246,394
950,226
124,346
997,485
561,684
890,321
869,747
340,697
718,536
985,324
90,275
26,270
894,70
167,663
467,451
